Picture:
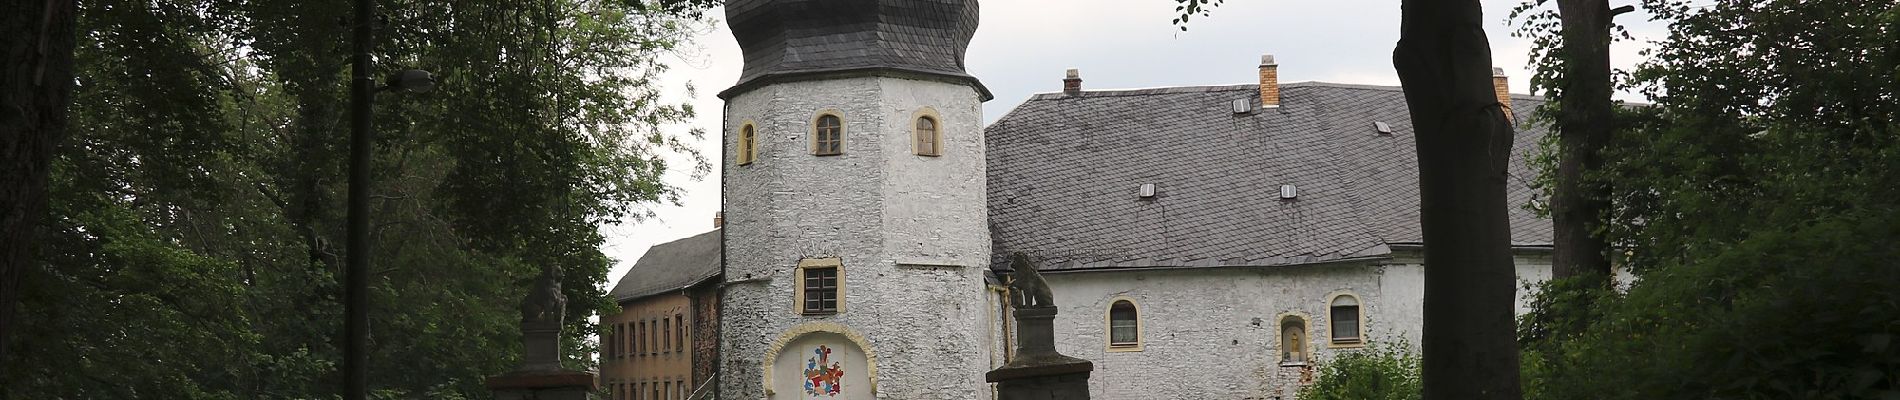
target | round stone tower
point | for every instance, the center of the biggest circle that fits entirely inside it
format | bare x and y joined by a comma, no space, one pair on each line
856,229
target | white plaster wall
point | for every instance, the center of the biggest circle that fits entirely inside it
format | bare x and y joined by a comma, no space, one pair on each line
910,231
1214,333
1403,284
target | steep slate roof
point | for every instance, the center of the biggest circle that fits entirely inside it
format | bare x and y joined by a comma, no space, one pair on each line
787,39
671,266
1064,172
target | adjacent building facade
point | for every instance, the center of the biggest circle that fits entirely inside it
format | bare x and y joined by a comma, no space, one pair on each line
1230,238
662,342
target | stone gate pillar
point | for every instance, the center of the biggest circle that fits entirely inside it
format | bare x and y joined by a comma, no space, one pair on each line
540,375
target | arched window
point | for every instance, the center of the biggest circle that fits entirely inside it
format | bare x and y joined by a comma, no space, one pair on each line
1292,340
1345,320
748,144
1124,326
828,135
929,141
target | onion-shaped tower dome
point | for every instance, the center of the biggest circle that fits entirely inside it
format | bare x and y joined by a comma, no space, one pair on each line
788,40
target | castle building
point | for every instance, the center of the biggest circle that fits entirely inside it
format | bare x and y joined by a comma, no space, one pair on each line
1229,238
856,244
1202,242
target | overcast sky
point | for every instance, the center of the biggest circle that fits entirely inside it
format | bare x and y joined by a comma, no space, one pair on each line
1023,47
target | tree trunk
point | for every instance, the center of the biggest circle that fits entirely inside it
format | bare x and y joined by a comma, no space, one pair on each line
1583,129
1464,146
36,82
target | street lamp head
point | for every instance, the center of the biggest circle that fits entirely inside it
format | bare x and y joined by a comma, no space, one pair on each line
410,80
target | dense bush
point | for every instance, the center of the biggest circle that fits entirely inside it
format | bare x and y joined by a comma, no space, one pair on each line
1380,372
1809,312
1756,201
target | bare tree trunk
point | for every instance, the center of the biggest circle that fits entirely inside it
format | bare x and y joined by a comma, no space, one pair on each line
1464,145
36,82
1583,129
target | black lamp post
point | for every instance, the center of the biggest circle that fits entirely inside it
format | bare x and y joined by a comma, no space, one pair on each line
356,266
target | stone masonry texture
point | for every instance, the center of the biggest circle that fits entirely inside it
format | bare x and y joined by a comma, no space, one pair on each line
1215,332
910,231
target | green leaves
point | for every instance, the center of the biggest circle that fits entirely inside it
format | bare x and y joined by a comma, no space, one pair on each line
197,208
1782,314
1750,200
1378,372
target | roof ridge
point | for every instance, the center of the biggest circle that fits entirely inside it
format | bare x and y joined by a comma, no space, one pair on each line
1148,91
1232,87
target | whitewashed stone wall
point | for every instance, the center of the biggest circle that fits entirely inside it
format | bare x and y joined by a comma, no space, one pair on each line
910,230
1214,333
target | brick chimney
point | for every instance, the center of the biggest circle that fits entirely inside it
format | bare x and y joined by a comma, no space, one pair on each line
719,219
1269,82
1072,83
1502,86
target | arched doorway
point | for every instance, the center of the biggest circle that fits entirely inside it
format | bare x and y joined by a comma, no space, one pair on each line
823,362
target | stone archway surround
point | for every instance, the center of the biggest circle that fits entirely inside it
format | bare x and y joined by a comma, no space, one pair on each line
790,335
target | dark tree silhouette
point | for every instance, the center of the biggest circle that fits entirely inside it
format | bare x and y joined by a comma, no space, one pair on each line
1583,127
1464,145
36,82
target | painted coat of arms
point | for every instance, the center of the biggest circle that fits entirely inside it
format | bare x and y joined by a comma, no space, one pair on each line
822,375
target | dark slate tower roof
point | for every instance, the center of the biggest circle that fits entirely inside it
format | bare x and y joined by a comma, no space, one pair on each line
786,40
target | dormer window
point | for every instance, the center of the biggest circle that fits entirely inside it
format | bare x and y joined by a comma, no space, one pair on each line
828,135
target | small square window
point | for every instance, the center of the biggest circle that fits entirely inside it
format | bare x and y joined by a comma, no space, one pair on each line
821,290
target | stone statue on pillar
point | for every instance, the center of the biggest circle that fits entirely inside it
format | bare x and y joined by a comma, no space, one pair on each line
540,375
1026,284
1037,372
543,312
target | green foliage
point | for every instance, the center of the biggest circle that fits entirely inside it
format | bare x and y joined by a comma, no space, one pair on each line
1379,372
194,245
1754,199
1539,22
1810,312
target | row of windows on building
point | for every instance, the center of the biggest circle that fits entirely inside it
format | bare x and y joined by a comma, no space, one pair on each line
820,288
648,336
828,130
1124,328
669,390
